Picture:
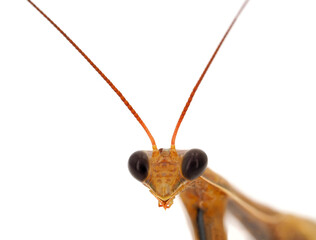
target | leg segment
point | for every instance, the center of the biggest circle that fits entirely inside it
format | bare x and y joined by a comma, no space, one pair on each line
206,207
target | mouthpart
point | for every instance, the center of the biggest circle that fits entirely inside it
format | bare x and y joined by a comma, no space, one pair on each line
165,204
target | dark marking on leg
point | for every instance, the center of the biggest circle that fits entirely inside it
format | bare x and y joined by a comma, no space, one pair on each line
200,224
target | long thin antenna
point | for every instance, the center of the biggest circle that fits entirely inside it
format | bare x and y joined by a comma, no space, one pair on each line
202,76
102,75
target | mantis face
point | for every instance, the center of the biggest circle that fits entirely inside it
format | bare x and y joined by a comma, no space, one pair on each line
166,172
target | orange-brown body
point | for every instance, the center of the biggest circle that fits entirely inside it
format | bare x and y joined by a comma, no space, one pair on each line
208,197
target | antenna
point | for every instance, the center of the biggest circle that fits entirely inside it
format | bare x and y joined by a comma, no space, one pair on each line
173,140
102,75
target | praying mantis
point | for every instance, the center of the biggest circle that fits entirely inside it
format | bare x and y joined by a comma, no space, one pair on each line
131,205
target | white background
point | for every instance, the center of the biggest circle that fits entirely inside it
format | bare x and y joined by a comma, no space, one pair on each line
65,137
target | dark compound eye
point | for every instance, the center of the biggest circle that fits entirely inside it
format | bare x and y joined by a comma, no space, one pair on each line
194,163
138,165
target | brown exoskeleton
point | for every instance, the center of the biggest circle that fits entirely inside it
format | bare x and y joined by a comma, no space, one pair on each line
206,195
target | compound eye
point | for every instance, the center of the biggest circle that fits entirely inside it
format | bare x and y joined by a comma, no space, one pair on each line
138,165
194,163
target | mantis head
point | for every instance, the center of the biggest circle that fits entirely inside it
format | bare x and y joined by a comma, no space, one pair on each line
166,172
